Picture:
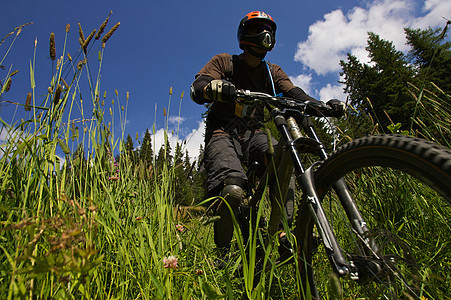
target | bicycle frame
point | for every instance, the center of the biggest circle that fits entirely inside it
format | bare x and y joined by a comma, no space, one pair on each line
287,158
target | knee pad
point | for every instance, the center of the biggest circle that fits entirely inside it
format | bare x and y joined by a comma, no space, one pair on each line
233,194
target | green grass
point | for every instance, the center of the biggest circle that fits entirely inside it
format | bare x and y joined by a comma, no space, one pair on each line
88,226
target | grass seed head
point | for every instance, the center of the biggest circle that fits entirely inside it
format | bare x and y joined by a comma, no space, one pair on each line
56,98
110,33
64,146
102,27
88,39
69,57
28,102
67,28
80,32
65,83
14,73
52,47
7,85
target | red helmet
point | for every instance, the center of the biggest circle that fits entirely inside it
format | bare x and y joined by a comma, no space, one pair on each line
257,29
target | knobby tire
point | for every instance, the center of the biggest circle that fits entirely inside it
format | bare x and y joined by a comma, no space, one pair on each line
411,228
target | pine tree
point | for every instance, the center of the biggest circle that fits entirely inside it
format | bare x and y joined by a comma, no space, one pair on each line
164,156
130,149
182,184
146,152
389,87
382,88
432,56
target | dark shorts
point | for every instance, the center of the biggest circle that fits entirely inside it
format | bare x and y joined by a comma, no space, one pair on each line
224,156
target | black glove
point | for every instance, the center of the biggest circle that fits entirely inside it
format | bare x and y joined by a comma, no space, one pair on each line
338,107
220,90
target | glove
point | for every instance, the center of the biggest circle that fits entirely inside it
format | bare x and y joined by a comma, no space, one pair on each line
220,90
338,107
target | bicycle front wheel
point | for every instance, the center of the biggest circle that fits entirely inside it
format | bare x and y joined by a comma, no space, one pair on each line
399,242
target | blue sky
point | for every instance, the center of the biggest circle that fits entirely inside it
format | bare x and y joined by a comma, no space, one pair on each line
162,44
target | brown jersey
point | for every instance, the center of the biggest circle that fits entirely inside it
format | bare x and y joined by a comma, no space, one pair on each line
267,78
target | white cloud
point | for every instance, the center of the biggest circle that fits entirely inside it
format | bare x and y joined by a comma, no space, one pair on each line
436,11
176,120
190,142
195,139
337,34
332,92
303,81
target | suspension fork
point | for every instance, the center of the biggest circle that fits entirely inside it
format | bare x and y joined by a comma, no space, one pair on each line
341,188
306,180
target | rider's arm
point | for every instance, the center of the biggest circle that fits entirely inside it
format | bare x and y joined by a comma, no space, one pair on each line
214,69
298,93
283,84
198,94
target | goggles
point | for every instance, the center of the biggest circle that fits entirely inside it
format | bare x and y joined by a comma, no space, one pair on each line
257,28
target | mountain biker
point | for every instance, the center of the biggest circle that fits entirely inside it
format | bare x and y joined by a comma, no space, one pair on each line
233,131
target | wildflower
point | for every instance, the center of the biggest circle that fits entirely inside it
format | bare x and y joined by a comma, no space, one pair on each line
179,227
170,262
114,178
199,272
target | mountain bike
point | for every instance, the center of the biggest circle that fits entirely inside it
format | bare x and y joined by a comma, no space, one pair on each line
376,211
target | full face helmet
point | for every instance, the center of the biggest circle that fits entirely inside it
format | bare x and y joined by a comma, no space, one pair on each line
257,29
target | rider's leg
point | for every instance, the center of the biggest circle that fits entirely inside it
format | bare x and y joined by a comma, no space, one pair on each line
233,195
225,177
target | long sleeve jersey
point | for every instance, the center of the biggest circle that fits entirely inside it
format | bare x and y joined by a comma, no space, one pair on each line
225,66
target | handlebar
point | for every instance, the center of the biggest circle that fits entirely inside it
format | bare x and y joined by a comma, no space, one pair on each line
311,108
